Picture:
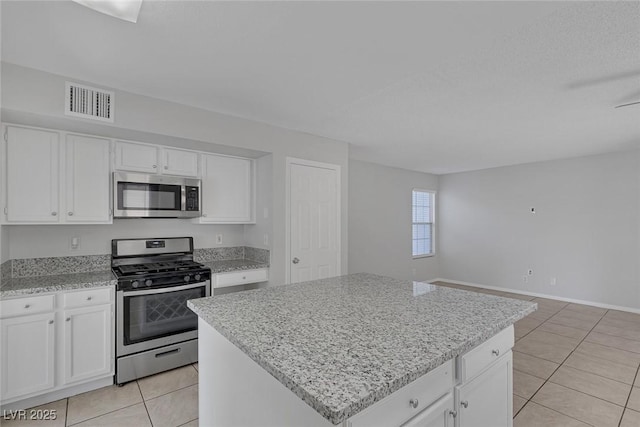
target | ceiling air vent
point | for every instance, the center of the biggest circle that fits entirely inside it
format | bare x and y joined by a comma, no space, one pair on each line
88,102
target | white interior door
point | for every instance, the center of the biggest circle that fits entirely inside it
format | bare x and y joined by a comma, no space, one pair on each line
314,221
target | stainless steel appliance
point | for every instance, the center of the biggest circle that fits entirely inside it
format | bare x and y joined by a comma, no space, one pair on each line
155,330
155,196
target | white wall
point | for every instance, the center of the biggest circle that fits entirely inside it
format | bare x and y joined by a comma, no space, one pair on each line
585,232
255,233
380,221
35,241
36,97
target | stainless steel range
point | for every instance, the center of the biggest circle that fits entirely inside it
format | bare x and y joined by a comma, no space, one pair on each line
155,331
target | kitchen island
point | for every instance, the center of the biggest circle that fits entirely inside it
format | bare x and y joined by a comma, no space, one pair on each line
355,350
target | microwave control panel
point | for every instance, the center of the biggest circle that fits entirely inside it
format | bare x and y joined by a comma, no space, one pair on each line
192,198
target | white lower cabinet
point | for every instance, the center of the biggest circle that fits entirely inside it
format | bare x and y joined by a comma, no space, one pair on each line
486,400
54,343
87,338
28,354
439,414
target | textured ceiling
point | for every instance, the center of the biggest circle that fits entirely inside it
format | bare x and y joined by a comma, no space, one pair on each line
432,86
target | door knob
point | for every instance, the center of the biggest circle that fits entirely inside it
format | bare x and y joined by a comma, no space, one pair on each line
295,260
465,404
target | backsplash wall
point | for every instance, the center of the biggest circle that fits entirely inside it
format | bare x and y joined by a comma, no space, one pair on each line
42,241
30,267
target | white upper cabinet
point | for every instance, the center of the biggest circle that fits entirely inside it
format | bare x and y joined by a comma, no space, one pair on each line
179,162
133,156
49,182
87,182
137,157
32,175
227,190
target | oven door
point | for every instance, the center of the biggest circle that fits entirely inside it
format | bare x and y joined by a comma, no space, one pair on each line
152,318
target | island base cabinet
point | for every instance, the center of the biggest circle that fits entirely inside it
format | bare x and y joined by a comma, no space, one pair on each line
486,400
439,414
27,354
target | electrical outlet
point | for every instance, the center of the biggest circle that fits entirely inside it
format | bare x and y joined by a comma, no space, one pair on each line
266,239
553,281
532,210
530,272
74,243
219,239
525,279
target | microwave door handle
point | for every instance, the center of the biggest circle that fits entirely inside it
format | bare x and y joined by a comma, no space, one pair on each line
183,198
166,289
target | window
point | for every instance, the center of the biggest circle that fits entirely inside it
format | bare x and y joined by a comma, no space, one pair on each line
422,208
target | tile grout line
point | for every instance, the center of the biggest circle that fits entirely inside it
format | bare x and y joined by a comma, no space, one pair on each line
555,370
626,405
144,402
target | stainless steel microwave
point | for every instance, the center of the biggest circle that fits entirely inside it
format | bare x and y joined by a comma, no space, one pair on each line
155,196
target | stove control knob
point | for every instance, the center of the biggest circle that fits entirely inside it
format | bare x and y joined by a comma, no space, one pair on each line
197,277
148,282
187,278
135,284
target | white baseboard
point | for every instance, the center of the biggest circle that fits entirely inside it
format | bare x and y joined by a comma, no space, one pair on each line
539,295
58,394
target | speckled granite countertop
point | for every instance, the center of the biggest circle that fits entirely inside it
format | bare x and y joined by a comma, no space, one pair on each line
234,265
344,343
21,286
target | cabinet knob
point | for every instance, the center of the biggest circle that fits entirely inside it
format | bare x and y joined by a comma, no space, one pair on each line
414,403
295,260
204,214
51,322
495,352
166,167
68,319
54,213
244,277
70,213
464,404
27,305
155,166
88,298
453,413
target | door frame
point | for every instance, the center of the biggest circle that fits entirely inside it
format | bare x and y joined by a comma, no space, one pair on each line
311,163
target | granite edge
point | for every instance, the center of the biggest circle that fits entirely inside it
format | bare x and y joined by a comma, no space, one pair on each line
336,417
43,289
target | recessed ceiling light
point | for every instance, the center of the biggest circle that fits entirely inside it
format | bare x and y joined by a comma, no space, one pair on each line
127,10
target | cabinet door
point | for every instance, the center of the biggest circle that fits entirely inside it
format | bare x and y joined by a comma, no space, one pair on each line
88,342
437,415
179,162
486,400
32,175
87,180
136,157
226,189
27,354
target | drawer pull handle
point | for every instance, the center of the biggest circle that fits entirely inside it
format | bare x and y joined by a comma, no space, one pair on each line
414,403
88,298
464,404
495,352
453,413
27,305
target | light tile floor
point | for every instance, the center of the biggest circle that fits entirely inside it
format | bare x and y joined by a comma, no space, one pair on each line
169,399
574,365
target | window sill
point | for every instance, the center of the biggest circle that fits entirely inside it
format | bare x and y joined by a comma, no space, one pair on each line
423,256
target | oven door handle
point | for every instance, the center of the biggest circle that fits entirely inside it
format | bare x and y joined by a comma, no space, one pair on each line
166,289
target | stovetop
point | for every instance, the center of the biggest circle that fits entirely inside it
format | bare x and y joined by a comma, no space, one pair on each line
157,267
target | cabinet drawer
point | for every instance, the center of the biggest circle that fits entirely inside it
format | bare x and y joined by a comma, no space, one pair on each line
240,277
24,306
477,359
396,408
87,297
